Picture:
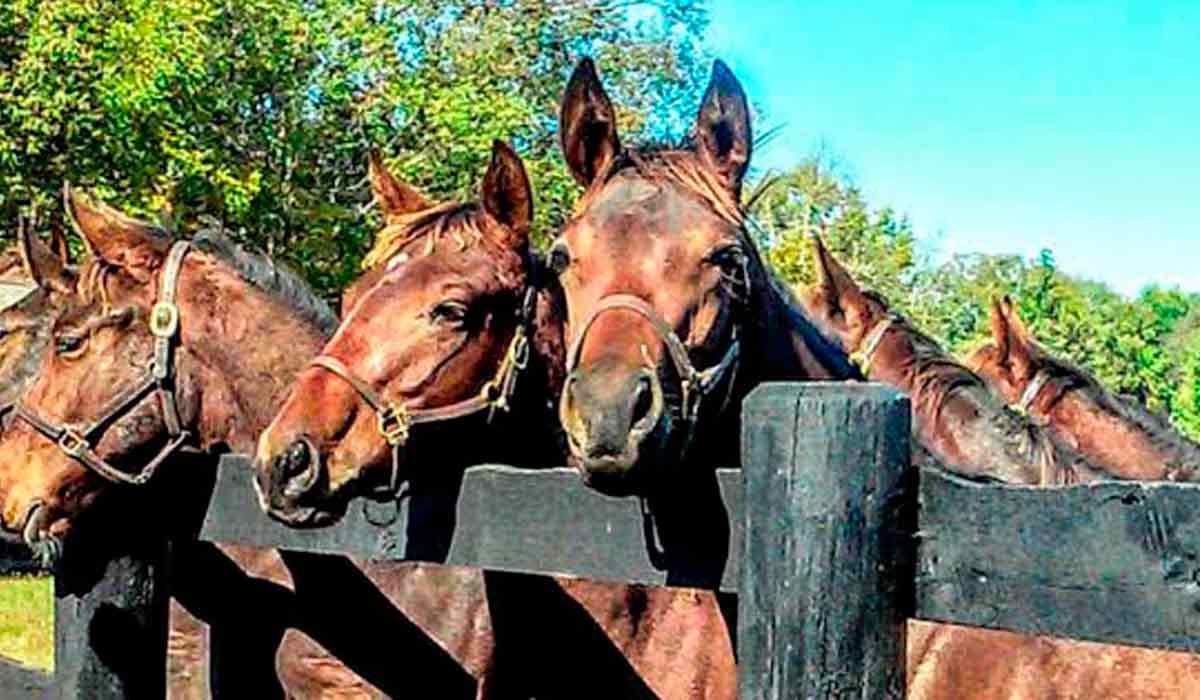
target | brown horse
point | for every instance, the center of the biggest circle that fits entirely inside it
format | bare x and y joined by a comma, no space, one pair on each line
674,318
227,300
454,302
1117,434
955,418
962,426
451,328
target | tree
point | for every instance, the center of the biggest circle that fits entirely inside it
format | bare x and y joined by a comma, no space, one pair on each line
260,112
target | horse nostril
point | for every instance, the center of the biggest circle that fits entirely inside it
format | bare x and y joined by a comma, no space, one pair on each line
643,400
298,457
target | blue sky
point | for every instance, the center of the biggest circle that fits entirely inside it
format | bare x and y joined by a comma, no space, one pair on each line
996,126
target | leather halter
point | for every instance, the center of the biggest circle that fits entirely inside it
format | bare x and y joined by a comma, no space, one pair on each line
1029,396
865,353
395,420
79,442
694,384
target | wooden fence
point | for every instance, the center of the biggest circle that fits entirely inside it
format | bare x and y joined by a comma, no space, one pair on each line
828,538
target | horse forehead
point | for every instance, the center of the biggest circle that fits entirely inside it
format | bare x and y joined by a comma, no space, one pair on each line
636,208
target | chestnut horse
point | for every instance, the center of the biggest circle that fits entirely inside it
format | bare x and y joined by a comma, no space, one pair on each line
228,301
454,335
958,421
673,316
1115,433
955,417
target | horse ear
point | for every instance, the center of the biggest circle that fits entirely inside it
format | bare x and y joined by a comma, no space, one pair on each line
506,194
58,241
723,137
587,125
134,246
395,196
1012,337
1000,331
834,282
40,262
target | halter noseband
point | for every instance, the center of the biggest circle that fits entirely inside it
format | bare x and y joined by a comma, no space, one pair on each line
862,357
694,384
396,420
78,443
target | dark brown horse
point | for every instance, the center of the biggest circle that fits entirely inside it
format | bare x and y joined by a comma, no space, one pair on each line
228,301
1119,435
673,316
454,302
955,418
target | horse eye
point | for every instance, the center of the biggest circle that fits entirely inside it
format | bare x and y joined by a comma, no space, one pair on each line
68,344
560,258
728,258
452,312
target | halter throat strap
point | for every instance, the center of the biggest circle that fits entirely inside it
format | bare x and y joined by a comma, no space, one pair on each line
79,443
865,354
1031,393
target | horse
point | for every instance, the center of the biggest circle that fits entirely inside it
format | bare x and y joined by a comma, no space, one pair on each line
673,315
962,426
1116,433
450,353
956,421
97,343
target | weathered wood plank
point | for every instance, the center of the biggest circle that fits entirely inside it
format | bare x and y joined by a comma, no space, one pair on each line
499,518
110,609
1113,562
830,510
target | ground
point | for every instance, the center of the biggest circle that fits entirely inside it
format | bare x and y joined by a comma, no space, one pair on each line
27,620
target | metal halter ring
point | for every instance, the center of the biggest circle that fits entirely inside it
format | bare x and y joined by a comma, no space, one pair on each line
72,443
394,424
164,320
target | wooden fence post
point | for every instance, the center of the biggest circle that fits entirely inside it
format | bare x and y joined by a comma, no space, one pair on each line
827,571
110,609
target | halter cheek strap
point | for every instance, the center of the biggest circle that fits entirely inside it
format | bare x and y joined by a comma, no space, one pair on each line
865,353
78,442
395,420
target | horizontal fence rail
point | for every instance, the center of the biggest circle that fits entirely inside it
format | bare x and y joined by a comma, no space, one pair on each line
828,536
499,518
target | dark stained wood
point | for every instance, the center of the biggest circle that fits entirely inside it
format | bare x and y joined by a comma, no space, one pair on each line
110,609
1112,562
20,681
498,518
830,509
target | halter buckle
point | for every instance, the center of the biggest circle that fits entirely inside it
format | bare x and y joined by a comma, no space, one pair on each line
72,443
164,320
393,424
520,351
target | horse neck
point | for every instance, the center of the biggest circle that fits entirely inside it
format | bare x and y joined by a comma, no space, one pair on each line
780,343
247,347
535,406
1121,445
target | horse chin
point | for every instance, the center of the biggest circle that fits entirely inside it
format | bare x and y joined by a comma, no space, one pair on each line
309,516
47,548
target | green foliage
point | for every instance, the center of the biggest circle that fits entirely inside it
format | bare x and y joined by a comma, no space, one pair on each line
259,113
1147,347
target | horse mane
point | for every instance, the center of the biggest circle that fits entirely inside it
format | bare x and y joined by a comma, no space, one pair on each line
465,221
674,163
270,276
